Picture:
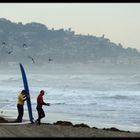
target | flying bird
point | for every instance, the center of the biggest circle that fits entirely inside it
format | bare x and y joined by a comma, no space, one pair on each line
31,59
10,52
6,47
50,59
24,45
3,43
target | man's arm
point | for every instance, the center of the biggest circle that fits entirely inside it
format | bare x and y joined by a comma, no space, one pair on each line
25,97
48,104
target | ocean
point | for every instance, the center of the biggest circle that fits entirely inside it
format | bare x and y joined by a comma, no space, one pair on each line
100,100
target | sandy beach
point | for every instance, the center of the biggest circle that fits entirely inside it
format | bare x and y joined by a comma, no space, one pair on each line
59,129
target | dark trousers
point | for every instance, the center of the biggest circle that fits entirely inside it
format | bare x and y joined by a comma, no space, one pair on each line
41,113
20,112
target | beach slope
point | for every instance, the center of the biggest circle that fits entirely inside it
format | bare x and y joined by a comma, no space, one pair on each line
61,129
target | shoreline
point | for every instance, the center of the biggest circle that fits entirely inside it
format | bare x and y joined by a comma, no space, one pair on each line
50,119
60,129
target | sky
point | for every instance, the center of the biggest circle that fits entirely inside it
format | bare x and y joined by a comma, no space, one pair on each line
119,22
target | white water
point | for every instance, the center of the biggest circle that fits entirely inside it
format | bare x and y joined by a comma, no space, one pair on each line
99,100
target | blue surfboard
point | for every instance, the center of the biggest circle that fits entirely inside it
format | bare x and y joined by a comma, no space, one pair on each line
25,83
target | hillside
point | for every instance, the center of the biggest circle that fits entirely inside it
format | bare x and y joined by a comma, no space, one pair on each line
35,44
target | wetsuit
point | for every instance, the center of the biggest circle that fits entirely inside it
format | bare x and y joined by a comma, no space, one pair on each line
21,99
39,108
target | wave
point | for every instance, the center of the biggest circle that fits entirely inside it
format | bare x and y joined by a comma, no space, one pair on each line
4,100
11,79
58,103
64,103
135,76
124,78
108,110
121,97
136,84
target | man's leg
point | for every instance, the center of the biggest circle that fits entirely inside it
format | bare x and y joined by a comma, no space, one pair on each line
20,113
42,113
39,114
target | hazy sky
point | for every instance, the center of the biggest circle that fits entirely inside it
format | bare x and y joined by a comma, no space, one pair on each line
120,22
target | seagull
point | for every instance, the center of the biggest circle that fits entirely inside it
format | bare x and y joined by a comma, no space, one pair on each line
10,52
3,43
31,59
24,45
50,59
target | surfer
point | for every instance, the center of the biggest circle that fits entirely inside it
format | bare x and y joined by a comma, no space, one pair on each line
40,103
21,98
